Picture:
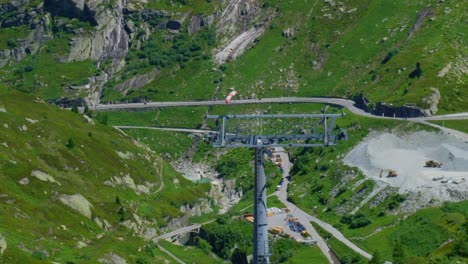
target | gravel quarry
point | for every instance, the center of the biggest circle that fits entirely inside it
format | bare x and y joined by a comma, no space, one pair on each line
406,154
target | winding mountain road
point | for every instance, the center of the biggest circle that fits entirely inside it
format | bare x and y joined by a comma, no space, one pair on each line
349,104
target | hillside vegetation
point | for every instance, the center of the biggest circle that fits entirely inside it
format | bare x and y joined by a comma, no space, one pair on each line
73,191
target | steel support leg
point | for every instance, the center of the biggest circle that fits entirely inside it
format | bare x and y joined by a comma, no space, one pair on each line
261,254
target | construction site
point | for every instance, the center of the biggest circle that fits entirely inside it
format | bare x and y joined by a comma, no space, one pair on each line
433,165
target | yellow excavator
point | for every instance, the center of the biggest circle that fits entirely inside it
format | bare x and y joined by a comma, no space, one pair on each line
391,173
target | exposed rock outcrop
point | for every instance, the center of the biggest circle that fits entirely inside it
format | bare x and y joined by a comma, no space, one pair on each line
237,17
384,109
141,227
197,22
404,111
136,82
39,34
422,15
432,101
444,70
240,24
67,102
127,181
81,9
44,177
78,203
238,45
110,41
112,258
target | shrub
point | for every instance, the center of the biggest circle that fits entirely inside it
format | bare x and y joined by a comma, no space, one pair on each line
39,255
417,72
390,55
70,144
121,212
203,245
11,43
355,221
102,118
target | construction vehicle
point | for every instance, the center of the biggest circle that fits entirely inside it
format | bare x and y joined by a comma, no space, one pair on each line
433,164
391,173
293,219
277,230
249,218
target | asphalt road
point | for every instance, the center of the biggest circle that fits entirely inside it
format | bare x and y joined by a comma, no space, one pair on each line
349,104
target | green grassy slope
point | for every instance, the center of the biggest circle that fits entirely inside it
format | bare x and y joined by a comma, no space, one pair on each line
427,232
339,50
83,159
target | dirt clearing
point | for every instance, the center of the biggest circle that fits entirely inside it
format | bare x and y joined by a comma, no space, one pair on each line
381,156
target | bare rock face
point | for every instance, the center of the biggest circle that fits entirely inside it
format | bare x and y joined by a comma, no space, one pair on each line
80,9
238,45
196,23
136,82
238,16
112,258
110,41
422,15
432,101
78,203
39,35
239,25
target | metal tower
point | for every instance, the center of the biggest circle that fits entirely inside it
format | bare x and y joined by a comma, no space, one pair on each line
271,131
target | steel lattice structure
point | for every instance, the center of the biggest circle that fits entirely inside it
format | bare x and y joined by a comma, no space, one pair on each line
305,130
276,130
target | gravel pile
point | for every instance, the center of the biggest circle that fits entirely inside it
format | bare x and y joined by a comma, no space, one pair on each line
407,156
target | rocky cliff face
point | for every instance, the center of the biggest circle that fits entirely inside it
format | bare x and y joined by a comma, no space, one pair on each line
239,25
109,41
104,31
405,111
17,13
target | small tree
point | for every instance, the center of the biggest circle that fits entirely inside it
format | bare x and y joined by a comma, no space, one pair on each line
70,144
74,108
121,212
398,254
87,111
376,258
203,245
102,118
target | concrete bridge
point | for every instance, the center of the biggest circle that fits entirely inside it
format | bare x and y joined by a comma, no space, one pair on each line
176,233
